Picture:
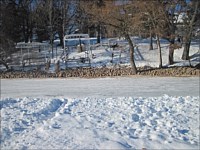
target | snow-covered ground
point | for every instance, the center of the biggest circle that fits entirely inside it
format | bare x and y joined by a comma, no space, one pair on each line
105,123
101,87
101,55
105,113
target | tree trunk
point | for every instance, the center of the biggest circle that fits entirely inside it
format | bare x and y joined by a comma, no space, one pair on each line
52,48
151,42
61,37
51,25
171,52
185,55
159,52
98,33
61,41
4,63
188,34
132,62
63,24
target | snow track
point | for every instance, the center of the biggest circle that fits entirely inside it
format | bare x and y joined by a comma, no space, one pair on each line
164,122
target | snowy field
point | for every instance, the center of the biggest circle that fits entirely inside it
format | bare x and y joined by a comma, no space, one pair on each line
103,55
105,113
101,87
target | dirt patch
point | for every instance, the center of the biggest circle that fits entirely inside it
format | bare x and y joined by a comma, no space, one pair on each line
103,72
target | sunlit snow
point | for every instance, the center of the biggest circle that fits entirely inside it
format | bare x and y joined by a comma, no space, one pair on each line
119,123
104,113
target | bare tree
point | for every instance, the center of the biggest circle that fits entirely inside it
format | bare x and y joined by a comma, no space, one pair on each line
170,12
10,20
47,17
120,16
41,17
55,17
7,47
151,16
124,19
51,23
190,21
67,11
10,30
25,11
91,16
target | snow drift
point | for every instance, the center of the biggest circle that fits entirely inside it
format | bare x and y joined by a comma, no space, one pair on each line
164,122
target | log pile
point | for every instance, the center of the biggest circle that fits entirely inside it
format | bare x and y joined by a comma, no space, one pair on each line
103,72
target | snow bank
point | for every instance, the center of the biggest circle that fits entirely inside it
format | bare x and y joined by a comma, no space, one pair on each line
164,122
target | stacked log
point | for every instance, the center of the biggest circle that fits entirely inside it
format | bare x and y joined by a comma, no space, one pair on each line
102,72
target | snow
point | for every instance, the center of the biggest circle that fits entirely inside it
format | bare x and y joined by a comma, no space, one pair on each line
103,113
164,122
101,54
101,87
143,56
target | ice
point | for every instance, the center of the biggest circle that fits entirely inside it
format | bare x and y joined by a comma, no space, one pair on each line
102,87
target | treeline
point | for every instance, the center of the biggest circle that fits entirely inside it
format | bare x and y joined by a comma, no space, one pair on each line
43,20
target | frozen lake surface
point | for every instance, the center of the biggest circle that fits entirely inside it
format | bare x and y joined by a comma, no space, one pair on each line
101,87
